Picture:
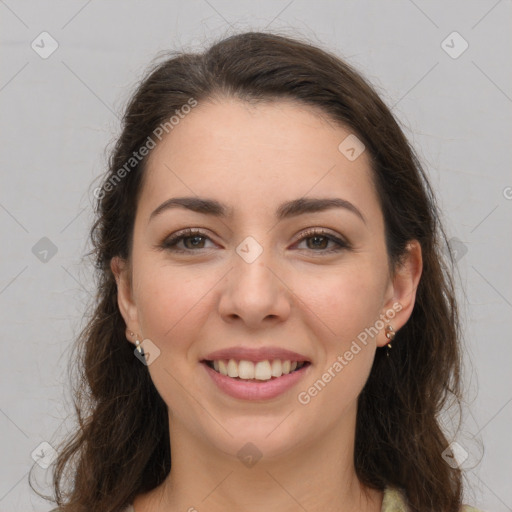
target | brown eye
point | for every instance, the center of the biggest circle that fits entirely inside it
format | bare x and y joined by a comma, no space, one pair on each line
318,241
195,241
191,240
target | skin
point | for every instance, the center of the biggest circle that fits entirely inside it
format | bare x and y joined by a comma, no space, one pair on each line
295,295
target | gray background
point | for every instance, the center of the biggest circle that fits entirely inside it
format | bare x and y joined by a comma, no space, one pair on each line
60,113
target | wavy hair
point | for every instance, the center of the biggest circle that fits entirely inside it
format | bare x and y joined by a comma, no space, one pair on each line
120,447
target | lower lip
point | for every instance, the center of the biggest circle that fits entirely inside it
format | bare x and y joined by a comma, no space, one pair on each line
256,390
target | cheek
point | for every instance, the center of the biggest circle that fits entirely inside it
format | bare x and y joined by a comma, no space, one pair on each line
344,304
344,300
172,302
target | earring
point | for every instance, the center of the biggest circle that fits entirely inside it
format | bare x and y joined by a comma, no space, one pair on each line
137,342
390,335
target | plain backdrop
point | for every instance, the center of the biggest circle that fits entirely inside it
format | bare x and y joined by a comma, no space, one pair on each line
68,68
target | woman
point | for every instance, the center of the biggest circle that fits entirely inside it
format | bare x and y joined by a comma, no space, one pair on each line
268,248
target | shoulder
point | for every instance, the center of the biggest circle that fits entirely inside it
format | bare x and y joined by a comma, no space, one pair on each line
394,501
469,508
129,508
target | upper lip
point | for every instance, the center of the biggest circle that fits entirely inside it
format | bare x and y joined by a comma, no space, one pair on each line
256,354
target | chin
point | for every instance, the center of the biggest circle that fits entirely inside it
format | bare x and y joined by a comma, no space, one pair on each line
268,437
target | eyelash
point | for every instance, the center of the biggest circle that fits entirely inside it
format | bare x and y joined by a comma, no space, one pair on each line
171,242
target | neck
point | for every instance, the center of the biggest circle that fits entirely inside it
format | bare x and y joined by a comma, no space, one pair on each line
315,476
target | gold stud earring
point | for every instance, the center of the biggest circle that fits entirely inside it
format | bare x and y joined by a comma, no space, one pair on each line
390,335
137,342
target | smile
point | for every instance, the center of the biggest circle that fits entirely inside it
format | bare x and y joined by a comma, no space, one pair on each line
255,371
258,380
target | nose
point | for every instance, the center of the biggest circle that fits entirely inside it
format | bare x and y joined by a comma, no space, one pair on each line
254,294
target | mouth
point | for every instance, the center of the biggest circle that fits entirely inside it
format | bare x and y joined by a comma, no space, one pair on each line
255,371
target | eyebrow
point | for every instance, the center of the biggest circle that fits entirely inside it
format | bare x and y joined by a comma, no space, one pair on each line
285,211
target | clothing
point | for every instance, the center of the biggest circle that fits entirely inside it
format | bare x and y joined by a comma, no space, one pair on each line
393,501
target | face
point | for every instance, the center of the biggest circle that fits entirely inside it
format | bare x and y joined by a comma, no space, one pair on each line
261,279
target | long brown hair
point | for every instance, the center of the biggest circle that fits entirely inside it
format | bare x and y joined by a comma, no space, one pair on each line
121,446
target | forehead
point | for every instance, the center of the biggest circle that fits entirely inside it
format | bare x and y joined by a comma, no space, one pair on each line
243,153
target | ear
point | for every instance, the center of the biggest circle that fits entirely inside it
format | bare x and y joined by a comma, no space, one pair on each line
402,291
127,307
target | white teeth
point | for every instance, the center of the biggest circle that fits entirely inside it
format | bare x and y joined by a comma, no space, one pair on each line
276,368
246,369
262,370
232,368
222,367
